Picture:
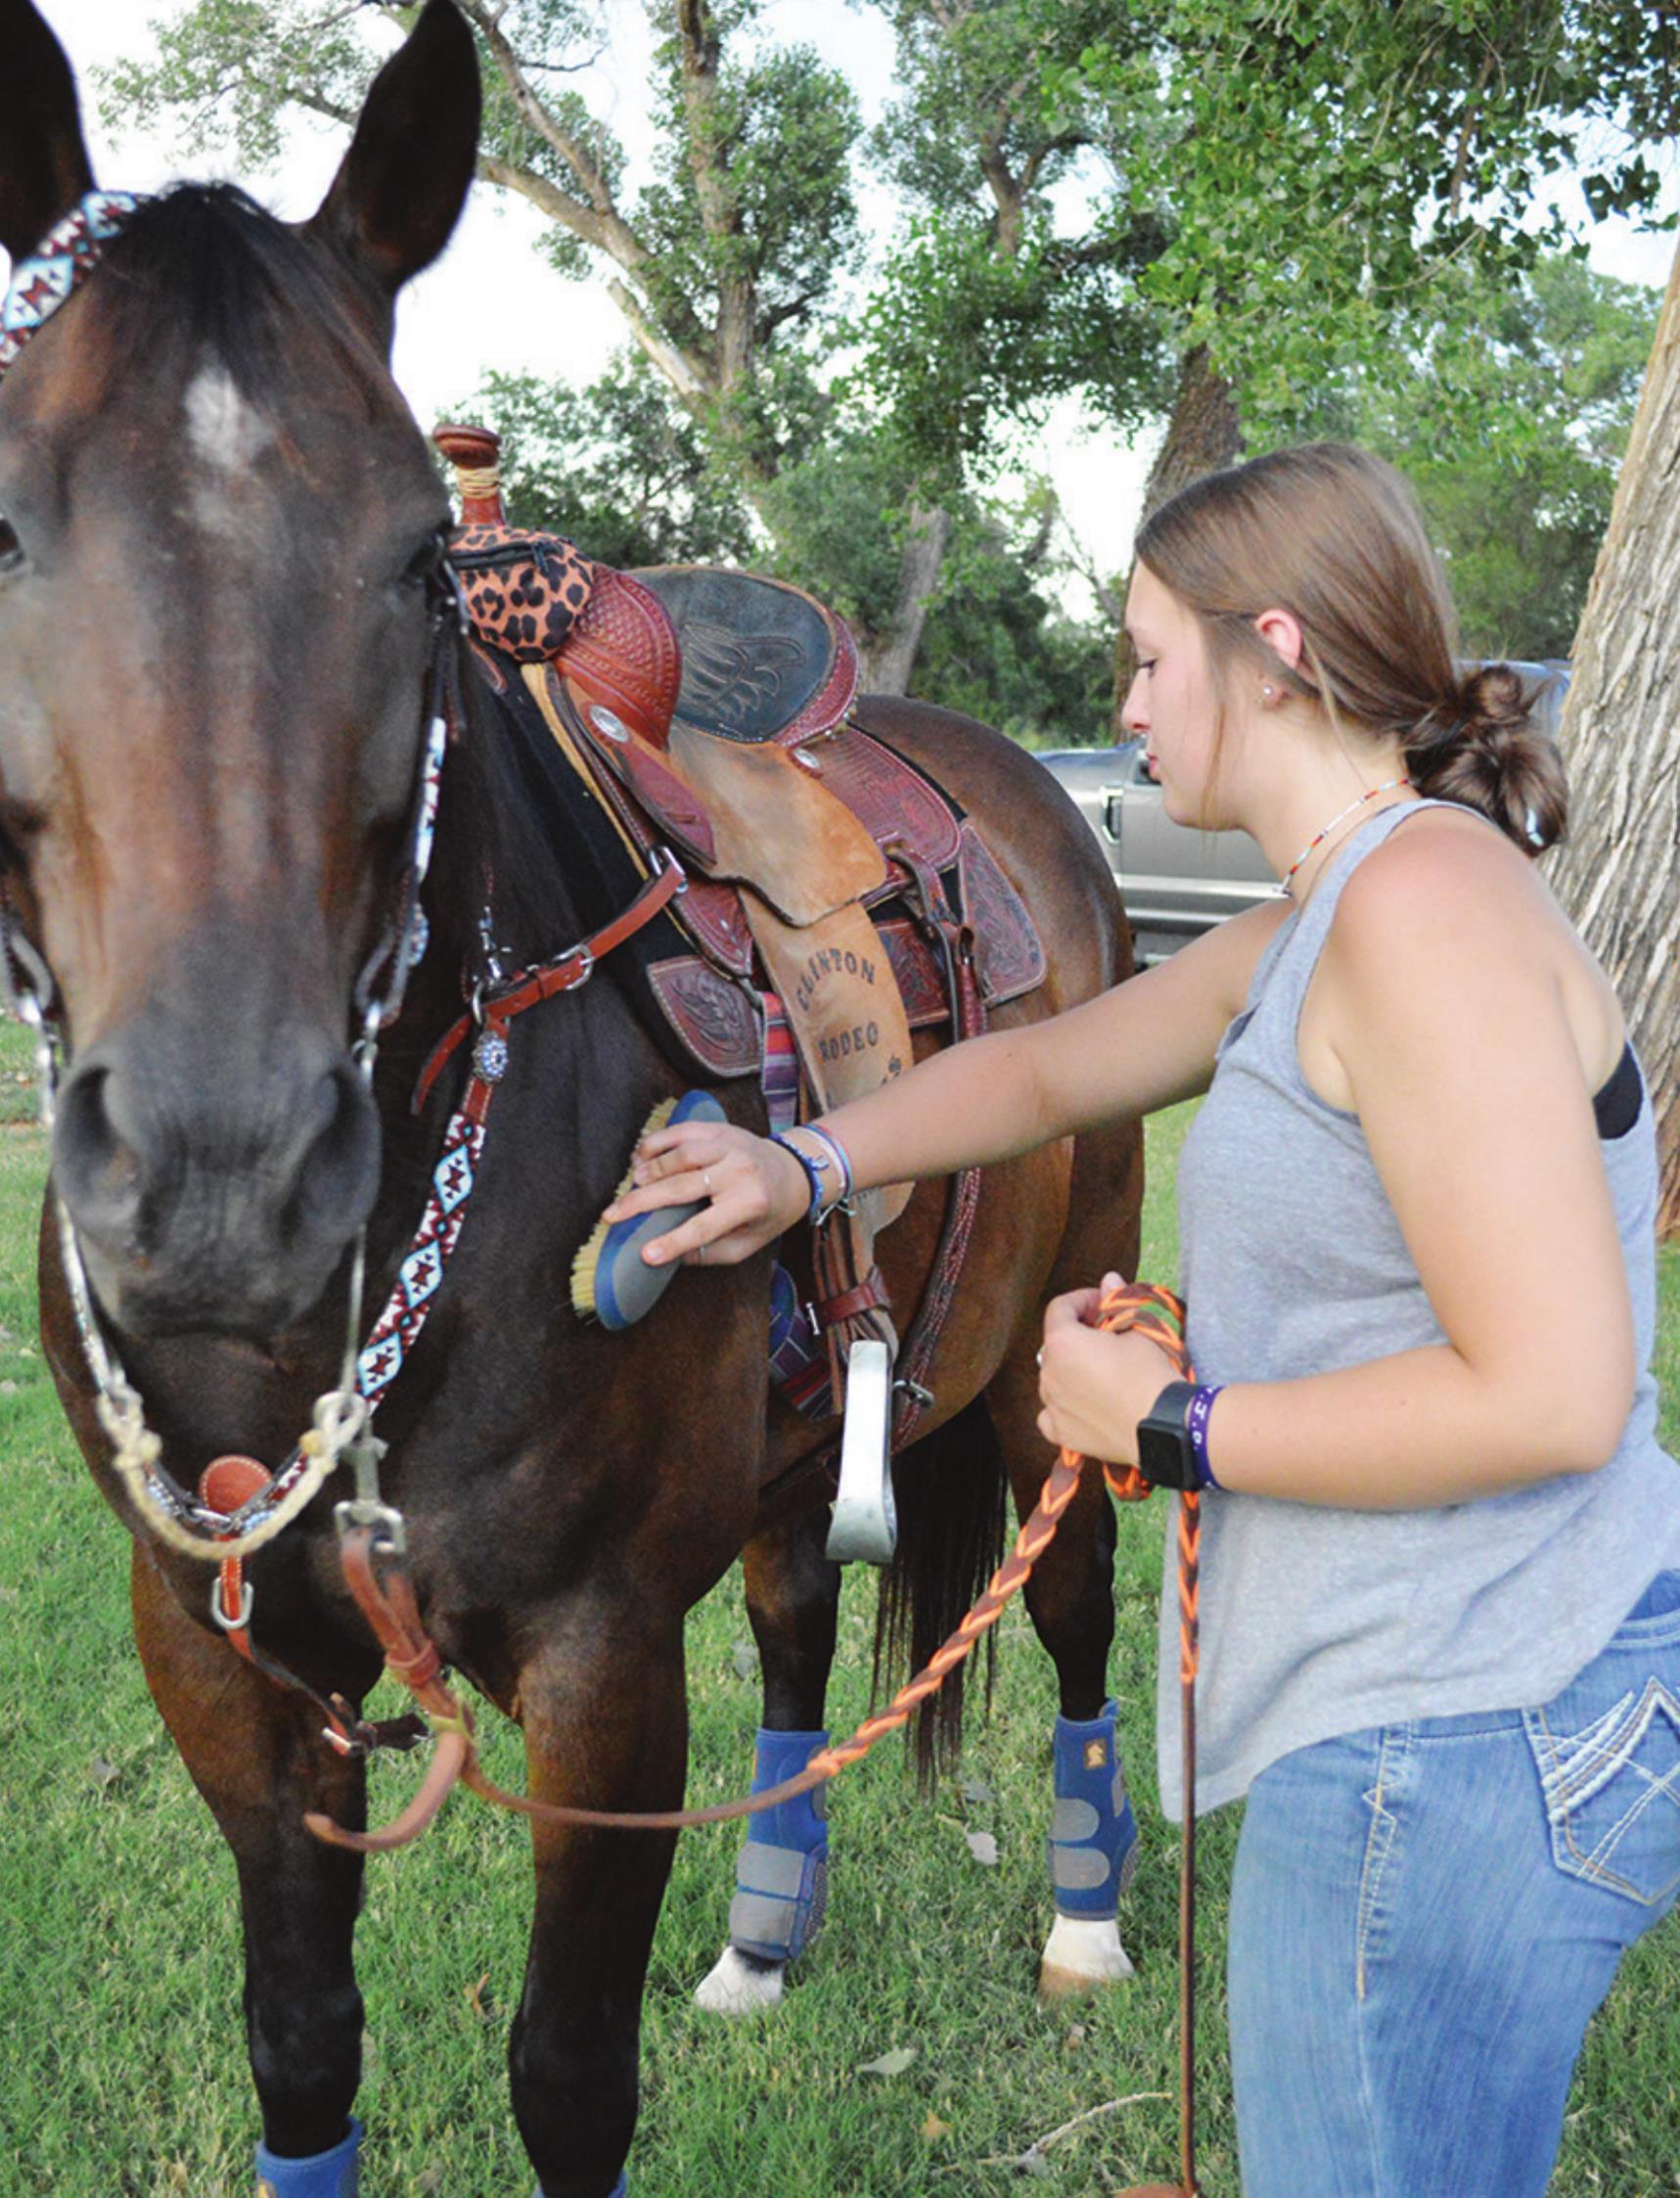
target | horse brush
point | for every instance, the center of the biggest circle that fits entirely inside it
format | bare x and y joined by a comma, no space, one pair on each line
611,1281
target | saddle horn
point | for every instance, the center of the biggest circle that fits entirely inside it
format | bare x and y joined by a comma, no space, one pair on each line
475,454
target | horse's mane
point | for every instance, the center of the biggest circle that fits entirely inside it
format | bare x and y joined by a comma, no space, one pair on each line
205,270
492,848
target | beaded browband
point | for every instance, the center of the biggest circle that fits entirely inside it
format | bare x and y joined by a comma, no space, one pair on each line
60,264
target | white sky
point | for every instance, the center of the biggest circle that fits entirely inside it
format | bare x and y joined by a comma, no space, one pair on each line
493,301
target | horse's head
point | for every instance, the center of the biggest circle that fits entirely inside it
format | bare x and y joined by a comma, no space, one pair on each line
219,532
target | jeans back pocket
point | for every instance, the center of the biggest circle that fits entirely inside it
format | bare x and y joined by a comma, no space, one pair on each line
1608,1751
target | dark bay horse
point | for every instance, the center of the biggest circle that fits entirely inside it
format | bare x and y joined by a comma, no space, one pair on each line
220,618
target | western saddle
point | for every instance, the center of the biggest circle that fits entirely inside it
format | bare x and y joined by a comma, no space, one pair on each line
706,710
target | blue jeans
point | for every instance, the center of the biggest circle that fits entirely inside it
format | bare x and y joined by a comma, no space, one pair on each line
1424,1916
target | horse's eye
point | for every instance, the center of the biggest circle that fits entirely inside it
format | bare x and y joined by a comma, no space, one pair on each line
20,824
10,549
423,566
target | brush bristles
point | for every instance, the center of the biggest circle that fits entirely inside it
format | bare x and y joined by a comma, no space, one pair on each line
587,1258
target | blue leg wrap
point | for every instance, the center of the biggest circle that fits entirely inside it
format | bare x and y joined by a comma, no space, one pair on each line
1093,1844
781,1873
324,2175
620,2189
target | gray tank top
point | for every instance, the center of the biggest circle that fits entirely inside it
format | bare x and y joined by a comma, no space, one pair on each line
1315,1619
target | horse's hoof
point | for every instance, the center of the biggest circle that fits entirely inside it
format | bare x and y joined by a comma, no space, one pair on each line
1081,1955
741,1984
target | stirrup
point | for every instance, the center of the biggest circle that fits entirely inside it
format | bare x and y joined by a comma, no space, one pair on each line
865,1526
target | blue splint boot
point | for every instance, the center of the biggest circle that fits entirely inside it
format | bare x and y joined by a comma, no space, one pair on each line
333,2174
1093,1843
782,1872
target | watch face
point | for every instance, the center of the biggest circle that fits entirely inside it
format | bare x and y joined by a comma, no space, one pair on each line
1164,1444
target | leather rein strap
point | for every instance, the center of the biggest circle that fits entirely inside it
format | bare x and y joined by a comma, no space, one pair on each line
385,1593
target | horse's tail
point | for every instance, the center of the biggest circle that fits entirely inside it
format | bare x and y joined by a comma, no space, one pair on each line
951,1489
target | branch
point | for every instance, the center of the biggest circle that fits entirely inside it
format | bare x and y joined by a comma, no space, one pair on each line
688,381
701,50
1473,109
609,233
532,110
768,323
1031,2158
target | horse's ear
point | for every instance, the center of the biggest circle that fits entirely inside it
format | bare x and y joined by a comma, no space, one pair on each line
399,193
44,167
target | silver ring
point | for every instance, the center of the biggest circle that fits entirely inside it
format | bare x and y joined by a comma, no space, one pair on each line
705,1178
699,1253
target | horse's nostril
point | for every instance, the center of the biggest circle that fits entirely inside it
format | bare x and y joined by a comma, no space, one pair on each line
98,1169
339,1172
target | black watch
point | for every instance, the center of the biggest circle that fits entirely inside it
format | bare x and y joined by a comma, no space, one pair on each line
1165,1456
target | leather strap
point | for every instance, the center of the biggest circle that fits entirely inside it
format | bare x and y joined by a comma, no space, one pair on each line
563,974
866,1296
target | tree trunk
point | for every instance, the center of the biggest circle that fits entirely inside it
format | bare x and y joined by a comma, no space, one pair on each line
888,659
1618,874
1204,434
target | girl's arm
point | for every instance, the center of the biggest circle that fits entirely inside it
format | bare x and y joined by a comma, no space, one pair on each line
1448,1017
1136,1047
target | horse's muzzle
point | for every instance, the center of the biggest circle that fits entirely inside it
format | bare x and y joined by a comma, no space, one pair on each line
210,1201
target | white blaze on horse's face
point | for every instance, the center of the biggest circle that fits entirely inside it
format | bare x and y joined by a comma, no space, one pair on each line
225,435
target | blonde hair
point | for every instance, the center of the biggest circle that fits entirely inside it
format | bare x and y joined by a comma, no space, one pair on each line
1333,535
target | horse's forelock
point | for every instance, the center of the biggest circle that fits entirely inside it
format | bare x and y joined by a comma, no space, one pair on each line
204,275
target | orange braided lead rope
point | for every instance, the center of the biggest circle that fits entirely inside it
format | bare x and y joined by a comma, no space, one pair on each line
1139,1308
1146,1310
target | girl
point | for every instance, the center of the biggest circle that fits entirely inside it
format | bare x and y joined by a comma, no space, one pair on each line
1440,1604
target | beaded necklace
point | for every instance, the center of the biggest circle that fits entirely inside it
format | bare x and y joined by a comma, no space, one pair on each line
1388,787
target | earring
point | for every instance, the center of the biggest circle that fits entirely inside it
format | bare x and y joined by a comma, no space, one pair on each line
1268,692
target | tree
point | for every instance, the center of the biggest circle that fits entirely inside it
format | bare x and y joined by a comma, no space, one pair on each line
1510,416
616,466
622,469
1213,205
1618,873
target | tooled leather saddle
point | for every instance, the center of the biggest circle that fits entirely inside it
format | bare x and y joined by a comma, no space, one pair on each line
707,710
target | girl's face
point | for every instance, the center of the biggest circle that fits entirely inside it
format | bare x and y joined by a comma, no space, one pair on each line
1171,702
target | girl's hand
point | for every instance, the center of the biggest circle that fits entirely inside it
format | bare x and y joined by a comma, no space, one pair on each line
752,1191
1095,1387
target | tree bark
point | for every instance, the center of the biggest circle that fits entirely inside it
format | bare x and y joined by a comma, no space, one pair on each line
1618,873
888,659
1203,433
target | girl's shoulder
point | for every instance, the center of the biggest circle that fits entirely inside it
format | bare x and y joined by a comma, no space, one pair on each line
1448,904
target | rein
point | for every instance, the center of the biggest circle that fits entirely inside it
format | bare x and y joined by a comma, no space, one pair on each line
379,1579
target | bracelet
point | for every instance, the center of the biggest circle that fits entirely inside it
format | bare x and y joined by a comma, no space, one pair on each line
842,1160
818,1166
1195,1418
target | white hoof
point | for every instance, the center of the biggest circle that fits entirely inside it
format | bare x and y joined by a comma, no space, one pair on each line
738,1986
1081,1955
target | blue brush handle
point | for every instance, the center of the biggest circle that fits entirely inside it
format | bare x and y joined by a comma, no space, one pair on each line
626,1288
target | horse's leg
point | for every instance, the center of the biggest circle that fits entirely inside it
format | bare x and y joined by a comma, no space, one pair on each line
781,1872
1069,1598
606,1726
255,1754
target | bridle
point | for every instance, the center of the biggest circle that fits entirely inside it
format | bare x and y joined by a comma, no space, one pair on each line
338,1426
238,1505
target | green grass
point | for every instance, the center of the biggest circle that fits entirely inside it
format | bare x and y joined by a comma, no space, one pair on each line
121,2059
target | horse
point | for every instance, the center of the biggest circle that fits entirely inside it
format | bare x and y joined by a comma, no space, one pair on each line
225,617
